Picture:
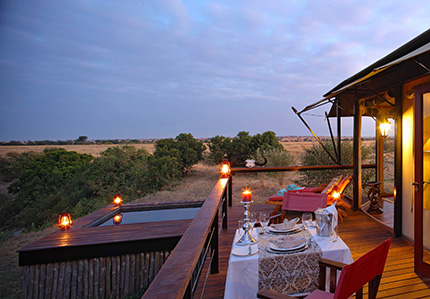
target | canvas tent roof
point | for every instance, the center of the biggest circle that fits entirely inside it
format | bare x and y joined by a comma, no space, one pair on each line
417,46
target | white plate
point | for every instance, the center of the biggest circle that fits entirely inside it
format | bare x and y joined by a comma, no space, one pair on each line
244,250
276,248
268,249
277,230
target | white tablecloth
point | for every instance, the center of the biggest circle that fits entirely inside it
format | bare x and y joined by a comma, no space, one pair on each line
242,274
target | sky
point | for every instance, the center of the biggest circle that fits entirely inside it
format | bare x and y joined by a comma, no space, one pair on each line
158,68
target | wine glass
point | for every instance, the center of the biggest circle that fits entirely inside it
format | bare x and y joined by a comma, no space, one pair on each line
264,220
253,220
307,220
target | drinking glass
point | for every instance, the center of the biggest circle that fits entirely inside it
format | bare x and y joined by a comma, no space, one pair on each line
253,220
264,220
333,237
240,224
307,220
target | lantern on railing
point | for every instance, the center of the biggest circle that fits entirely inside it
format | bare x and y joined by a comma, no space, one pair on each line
224,169
117,200
117,219
385,128
64,221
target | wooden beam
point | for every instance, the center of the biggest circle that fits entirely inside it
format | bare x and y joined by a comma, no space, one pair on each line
357,156
339,132
398,162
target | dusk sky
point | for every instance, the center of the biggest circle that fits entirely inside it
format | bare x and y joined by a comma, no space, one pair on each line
155,69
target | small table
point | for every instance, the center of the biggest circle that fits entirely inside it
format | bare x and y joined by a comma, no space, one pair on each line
242,274
374,194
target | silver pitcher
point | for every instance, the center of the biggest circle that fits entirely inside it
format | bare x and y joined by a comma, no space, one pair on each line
324,223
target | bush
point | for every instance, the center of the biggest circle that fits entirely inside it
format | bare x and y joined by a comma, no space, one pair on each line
117,170
276,157
241,147
184,148
39,189
315,155
56,181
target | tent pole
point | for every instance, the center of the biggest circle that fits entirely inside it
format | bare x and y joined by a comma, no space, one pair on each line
312,132
339,137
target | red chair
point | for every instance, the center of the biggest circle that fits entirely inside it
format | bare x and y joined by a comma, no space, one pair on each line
367,269
309,199
304,201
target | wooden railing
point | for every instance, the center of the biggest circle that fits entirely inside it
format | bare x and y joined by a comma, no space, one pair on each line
180,273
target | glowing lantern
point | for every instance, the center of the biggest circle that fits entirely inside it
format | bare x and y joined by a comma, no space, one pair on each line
117,200
335,194
224,169
246,195
385,128
117,219
64,221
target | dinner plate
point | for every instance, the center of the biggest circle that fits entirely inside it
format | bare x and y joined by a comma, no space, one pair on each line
287,243
268,249
296,228
244,250
276,248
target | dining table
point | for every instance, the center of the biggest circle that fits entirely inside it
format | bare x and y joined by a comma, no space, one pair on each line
255,267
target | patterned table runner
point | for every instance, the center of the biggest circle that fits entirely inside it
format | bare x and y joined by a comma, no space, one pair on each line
290,273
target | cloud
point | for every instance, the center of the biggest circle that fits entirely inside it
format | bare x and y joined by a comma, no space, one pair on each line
166,67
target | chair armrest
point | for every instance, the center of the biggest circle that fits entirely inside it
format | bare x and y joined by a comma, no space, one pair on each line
332,264
269,294
319,189
334,267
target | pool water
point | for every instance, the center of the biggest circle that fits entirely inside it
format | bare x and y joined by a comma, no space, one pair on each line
154,216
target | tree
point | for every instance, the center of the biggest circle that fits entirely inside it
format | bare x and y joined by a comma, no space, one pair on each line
187,150
241,147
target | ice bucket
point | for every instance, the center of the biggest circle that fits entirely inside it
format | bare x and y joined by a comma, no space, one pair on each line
324,223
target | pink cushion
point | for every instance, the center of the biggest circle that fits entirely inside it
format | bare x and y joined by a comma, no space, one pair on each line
304,201
276,198
318,294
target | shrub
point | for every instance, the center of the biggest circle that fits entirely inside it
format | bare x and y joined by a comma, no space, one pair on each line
187,151
276,157
315,155
39,188
241,147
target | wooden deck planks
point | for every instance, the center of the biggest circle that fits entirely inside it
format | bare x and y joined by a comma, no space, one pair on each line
360,233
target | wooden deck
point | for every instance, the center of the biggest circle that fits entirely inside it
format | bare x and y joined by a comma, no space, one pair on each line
360,233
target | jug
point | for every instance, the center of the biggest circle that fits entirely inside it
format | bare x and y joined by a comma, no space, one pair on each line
324,223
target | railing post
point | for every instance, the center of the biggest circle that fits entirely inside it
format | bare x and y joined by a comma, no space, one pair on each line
214,246
224,210
230,191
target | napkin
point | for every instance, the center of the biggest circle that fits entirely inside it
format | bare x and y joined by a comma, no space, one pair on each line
332,210
287,224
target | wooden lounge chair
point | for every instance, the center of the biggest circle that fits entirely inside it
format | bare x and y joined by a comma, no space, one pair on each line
309,199
367,269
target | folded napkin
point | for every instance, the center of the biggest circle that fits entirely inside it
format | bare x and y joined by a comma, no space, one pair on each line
287,224
332,210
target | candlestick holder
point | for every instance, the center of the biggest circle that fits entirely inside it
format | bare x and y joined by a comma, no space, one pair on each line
246,238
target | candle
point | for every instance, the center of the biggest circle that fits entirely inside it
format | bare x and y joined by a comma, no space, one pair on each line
246,195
